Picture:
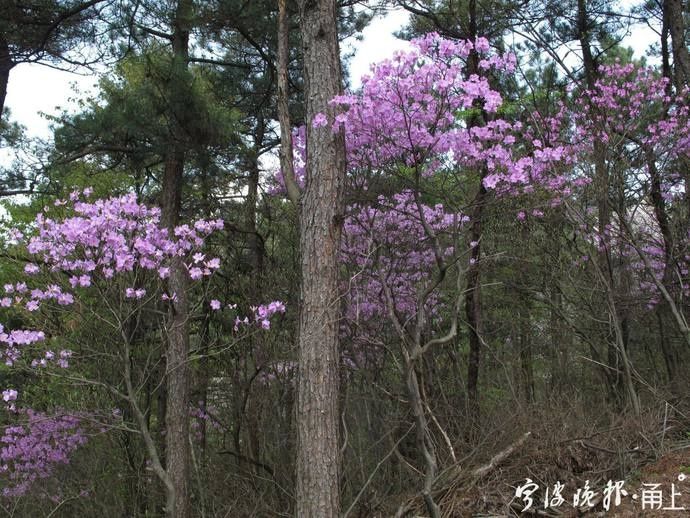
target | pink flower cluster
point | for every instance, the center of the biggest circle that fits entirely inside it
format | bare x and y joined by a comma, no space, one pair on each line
411,115
202,414
630,106
14,341
264,312
93,243
261,315
408,107
388,241
32,449
118,235
99,240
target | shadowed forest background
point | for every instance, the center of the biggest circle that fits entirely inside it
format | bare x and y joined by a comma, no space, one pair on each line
234,286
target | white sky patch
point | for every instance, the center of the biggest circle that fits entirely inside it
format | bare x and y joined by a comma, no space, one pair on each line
377,43
34,89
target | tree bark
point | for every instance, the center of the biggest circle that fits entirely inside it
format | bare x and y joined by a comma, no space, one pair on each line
178,373
673,9
665,53
177,461
320,229
6,65
473,309
660,210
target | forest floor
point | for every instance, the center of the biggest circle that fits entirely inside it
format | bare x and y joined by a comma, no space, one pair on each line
643,461
659,489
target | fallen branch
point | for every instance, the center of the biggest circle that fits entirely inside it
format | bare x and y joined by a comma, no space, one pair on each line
500,457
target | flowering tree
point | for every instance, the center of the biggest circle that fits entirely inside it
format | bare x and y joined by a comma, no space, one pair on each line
409,123
646,129
631,111
116,251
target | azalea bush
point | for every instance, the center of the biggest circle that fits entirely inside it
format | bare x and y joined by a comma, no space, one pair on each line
104,260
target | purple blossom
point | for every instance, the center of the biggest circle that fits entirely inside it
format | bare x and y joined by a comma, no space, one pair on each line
9,395
319,120
31,269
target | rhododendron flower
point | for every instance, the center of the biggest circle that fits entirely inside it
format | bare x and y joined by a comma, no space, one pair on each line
65,299
9,395
276,307
31,269
319,120
131,293
214,263
32,449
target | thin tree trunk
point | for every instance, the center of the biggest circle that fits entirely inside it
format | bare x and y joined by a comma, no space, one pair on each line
425,445
665,52
525,341
673,24
254,239
473,310
321,222
666,351
559,342
601,185
662,218
659,208
256,252
285,152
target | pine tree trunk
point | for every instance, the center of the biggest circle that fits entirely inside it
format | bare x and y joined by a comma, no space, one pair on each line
6,65
320,229
177,459
681,58
473,309
178,373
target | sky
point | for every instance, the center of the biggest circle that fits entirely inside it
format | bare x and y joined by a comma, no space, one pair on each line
35,89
